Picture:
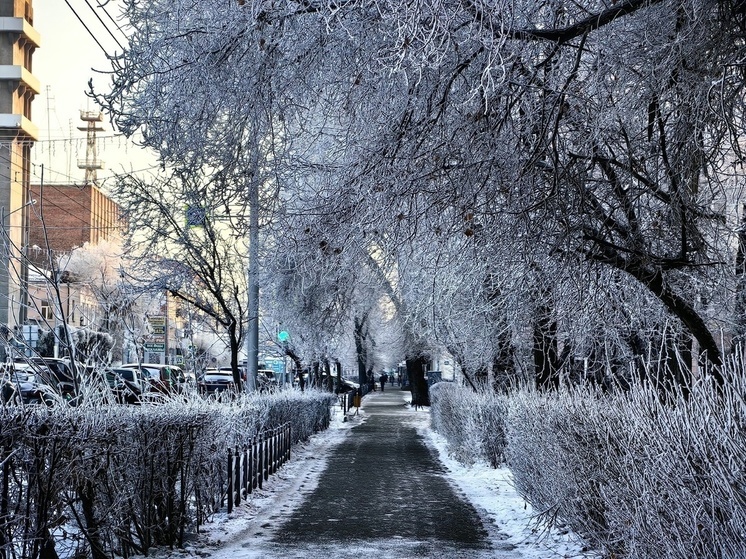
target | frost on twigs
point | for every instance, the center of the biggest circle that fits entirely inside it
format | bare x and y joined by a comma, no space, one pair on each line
637,474
472,422
107,480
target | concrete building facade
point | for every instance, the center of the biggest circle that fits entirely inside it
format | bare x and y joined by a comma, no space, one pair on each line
18,87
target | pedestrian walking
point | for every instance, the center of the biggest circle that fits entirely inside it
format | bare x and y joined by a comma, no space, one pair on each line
384,378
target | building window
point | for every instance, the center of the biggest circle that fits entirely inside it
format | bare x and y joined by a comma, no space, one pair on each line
46,311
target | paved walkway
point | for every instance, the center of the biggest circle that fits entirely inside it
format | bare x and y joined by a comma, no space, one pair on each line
383,494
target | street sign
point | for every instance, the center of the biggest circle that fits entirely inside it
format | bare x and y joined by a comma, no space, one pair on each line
155,347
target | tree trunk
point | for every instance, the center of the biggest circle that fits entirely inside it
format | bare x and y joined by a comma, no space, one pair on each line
545,349
92,533
235,347
417,381
329,378
362,354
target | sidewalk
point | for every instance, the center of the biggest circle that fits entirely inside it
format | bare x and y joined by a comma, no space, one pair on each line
376,487
384,489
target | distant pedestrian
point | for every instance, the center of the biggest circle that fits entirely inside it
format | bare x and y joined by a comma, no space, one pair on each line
391,378
384,378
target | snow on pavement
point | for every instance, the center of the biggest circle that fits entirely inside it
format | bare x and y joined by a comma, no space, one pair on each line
489,490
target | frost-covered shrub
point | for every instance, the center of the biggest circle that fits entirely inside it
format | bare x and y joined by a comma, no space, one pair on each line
471,422
105,480
636,474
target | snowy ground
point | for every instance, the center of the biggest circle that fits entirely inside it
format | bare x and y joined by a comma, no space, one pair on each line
489,490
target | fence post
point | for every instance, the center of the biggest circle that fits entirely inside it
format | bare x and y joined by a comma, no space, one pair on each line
260,465
284,443
237,473
265,468
230,481
245,471
250,467
275,440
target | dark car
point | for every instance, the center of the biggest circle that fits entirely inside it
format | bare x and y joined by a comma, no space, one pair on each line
126,383
266,380
346,385
60,374
158,377
216,381
21,384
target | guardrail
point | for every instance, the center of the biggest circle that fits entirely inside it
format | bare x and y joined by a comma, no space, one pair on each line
249,467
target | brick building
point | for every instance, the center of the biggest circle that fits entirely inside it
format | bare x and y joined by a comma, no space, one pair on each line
68,216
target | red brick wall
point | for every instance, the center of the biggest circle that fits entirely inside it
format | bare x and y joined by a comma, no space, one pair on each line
73,215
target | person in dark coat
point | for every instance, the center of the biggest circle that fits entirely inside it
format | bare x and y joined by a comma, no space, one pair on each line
384,378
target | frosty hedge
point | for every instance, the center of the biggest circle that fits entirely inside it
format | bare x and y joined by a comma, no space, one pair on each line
104,481
639,474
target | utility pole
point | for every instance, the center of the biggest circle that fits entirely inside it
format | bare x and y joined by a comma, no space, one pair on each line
252,334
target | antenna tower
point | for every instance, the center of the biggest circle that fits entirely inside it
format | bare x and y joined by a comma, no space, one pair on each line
91,163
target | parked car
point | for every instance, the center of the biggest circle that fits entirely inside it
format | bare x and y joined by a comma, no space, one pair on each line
266,380
60,374
20,384
158,377
346,386
126,383
216,381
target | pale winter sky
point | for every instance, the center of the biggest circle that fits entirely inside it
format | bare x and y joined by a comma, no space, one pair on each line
64,64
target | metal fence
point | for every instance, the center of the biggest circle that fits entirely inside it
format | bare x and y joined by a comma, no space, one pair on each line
249,467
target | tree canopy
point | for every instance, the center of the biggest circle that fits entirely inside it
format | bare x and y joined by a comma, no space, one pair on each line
518,178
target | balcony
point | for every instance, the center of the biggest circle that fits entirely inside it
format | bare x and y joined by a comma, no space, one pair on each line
21,75
22,27
20,124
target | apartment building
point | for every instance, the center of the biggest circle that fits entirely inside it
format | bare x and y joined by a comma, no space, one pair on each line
18,41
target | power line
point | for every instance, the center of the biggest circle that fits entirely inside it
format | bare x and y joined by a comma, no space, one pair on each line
103,7
104,25
86,28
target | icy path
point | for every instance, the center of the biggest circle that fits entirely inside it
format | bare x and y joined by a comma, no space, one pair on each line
381,485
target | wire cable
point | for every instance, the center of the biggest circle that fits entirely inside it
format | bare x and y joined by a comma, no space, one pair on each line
98,17
86,28
103,7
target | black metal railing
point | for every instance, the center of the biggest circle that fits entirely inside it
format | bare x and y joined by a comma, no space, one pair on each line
249,467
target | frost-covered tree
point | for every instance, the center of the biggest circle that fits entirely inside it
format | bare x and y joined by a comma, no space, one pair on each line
184,235
593,145
99,269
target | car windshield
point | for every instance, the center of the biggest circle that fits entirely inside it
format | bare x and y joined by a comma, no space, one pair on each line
154,374
218,376
126,374
22,376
